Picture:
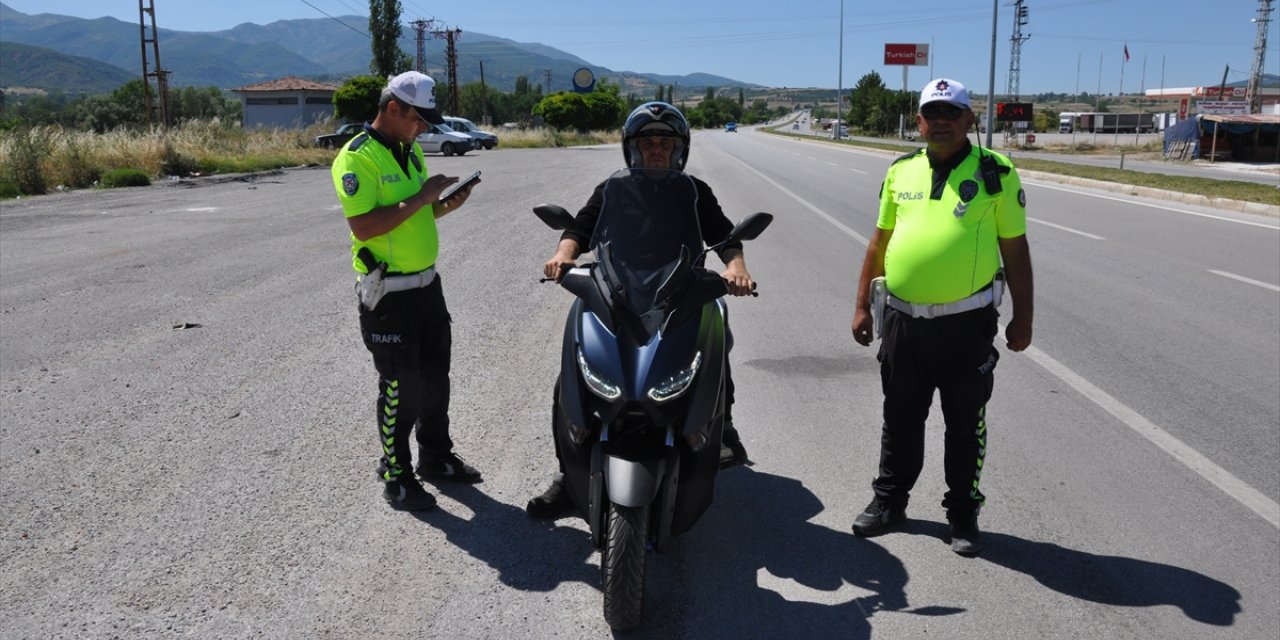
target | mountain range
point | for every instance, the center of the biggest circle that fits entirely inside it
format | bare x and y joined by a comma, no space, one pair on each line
64,53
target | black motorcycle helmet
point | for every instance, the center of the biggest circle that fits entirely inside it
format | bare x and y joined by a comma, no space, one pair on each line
656,119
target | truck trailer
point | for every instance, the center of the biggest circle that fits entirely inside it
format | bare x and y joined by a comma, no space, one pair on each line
1107,123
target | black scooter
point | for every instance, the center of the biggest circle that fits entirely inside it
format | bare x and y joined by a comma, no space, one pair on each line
639,406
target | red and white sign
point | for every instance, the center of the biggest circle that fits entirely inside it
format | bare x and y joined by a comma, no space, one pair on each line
906,54
1230,92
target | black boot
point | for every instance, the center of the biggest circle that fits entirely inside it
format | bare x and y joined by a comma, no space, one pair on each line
966,540
553,503
732,453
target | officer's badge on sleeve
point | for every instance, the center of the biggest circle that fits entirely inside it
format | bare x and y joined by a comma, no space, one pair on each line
968,189
1022,198
350,184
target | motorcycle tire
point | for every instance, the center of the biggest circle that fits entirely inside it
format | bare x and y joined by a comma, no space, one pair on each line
622,565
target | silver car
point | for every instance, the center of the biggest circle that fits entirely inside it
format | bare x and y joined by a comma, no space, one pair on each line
439,138
480,139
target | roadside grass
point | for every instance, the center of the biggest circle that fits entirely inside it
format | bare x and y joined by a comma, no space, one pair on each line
42,159
1209,187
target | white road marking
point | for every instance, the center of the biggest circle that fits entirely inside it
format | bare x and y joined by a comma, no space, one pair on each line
1228,483
201,209
1155,206
1067,229
1259,283
858,171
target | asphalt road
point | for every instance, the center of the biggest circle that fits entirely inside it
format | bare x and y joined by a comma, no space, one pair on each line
187,447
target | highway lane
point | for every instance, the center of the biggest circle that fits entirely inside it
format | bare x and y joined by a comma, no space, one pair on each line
214,480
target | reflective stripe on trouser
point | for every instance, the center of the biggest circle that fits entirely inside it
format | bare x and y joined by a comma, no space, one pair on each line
956,356
389,468
410,339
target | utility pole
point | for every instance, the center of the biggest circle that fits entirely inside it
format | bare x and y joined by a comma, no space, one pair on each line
450,37
145,8
1015,58
484,98
1254,94
420,28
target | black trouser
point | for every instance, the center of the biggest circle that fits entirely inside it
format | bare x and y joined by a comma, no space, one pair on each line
955,355
409,336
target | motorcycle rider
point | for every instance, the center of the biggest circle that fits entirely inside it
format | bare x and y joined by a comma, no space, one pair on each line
655,136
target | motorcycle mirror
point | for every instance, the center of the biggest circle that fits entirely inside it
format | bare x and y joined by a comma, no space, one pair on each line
554,216
751,227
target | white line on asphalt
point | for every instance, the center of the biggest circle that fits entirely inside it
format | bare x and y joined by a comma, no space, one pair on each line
201,209
1234,487
1067,229
1156,206
858,171
1264,285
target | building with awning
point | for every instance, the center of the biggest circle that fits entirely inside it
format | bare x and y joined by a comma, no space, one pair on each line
1238,138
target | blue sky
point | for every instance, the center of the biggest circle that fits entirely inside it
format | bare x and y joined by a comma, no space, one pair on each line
798,44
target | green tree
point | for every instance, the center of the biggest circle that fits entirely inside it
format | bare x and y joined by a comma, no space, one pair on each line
599,109
357,99
866,95
384,28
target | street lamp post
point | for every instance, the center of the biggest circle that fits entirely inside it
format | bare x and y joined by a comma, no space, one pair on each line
840,80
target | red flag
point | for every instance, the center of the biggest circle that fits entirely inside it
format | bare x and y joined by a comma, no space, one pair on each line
1126,52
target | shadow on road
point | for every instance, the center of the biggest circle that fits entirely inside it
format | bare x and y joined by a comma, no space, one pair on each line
528,554
754,567
1110,580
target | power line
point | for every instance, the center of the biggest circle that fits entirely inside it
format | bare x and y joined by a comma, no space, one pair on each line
336,20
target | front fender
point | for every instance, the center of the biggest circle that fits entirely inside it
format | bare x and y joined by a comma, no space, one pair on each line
631,483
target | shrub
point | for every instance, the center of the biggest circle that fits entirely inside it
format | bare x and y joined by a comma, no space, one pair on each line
8,190
175,164
27,147
125,178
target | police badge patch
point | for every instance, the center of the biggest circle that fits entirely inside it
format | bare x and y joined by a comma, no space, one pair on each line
1022,198
350,184
968,189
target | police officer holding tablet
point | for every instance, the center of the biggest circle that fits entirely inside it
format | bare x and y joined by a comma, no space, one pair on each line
391,206
950,214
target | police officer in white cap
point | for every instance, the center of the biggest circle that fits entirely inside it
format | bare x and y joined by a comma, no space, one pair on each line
950,215
391,205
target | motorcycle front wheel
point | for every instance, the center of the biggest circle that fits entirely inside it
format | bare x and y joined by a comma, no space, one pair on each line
622,566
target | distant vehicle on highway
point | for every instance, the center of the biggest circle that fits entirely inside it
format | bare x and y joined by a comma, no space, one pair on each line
339,137
731,127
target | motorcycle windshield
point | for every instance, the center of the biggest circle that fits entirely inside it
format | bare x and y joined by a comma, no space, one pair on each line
647,235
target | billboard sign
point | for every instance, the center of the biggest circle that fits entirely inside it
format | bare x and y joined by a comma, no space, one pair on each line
906,54
1222,107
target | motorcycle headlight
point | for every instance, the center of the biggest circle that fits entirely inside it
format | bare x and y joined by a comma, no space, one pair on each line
597,383
678,383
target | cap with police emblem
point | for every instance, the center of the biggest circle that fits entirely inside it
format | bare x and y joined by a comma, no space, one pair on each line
419,91
945,90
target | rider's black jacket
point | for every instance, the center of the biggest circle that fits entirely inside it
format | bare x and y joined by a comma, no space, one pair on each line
711,219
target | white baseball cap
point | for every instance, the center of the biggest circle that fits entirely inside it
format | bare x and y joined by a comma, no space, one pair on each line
419,91
945,90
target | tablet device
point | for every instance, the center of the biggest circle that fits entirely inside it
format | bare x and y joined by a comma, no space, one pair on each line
461,184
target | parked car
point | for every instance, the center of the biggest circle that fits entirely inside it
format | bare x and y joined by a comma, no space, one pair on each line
439,138
339,137
479,139
731,127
